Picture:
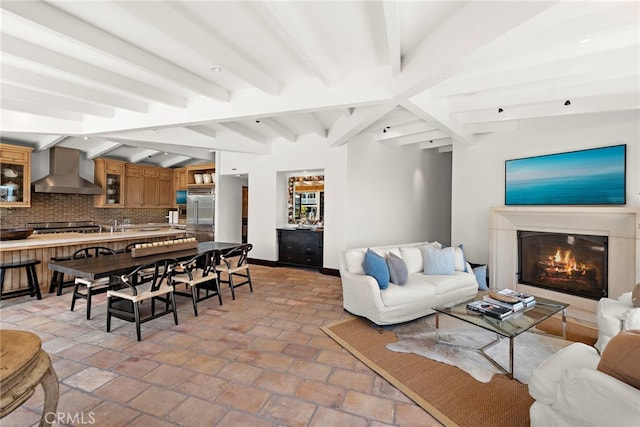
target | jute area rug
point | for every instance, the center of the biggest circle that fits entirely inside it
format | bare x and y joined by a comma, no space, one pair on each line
448,393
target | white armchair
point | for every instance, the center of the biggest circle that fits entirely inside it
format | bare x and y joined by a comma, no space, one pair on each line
570,391
613,316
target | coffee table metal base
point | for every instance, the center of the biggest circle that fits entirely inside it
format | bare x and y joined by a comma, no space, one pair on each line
480,350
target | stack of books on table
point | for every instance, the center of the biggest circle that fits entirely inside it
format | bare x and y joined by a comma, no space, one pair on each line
489,309
526,299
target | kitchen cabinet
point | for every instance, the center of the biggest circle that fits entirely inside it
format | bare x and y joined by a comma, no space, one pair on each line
15,181
150,187
133,186
166,194
300,247
180,179
109,174
201,170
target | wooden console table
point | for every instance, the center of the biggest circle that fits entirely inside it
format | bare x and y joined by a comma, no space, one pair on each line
24,365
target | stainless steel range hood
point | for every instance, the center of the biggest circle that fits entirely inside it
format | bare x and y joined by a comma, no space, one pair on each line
64,174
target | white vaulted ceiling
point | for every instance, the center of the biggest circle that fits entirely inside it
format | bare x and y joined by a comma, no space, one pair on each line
137,77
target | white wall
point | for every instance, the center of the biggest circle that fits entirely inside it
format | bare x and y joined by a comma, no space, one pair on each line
229,208
478,170
268,195
396,194
375,193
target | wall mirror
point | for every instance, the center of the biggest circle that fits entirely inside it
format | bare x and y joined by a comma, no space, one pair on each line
306,200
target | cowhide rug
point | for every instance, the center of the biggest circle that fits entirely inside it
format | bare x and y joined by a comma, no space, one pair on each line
418,336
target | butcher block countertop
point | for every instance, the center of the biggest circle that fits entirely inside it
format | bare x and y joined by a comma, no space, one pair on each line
36,241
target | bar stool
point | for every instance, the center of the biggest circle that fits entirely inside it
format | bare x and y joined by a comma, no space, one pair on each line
32,278
57,278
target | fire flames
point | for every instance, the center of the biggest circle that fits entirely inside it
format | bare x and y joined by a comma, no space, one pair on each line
564,263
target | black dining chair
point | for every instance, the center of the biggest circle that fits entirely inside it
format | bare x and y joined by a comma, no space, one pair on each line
235,263
199,274
125,303
86,288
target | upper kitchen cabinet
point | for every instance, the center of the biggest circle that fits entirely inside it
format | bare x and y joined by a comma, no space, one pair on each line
133,186
180,179
15,181
109,174
166,194
202,175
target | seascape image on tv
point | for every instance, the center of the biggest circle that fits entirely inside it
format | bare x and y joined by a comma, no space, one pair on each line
586,177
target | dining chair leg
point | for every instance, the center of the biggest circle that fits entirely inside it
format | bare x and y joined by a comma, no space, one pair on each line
88,303
175,310
74,296
136,311
108,314
194,298
249,279
218,291
233,293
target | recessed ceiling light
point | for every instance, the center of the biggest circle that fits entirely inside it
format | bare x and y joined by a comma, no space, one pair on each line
216,69
85,137
587,40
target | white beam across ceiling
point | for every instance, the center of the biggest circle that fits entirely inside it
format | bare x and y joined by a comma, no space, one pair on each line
422,106
49,84
36,54
346,128
101,149
172,148
581,105
68,26
202,130
475,25
392,26
174,160
419,137
243,131
417,126
436,143
49,141
61,102
38,109
180,24
279,129
142,155
292,33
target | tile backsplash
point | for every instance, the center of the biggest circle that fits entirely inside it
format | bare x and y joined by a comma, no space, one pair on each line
75,207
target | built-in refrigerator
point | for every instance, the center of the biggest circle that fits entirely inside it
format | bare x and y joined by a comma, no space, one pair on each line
201,209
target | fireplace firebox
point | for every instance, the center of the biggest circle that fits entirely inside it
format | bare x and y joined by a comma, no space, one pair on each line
574,264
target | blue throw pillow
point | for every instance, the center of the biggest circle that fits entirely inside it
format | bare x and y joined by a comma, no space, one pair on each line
398,272
375,265
461,261
439,261
481,277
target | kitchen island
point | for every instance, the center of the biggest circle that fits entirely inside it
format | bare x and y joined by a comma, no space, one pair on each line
59,245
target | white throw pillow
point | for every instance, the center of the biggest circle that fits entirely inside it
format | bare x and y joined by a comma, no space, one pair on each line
354,259
413,259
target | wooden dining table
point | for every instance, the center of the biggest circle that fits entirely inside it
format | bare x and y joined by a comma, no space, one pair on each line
123,263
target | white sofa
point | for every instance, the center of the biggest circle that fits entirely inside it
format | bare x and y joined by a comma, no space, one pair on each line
613,316
362,295
570,391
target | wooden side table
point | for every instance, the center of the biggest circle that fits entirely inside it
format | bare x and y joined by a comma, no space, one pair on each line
24,365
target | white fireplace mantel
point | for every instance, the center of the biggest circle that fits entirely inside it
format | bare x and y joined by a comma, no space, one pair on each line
620,224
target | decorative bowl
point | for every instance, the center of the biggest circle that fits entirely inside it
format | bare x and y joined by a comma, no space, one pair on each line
10,173
15,233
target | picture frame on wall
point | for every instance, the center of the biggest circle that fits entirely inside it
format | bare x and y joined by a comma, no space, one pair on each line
595,176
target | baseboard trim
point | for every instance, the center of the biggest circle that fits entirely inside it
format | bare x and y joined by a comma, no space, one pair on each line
330,271
267,263
263,262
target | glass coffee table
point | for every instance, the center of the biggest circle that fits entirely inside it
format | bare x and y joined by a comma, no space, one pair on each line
509,327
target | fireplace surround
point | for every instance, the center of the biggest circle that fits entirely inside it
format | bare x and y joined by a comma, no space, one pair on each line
621,226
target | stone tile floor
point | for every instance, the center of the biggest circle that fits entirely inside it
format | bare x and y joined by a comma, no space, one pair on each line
260,360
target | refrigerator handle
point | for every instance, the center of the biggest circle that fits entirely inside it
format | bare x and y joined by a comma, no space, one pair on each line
195,211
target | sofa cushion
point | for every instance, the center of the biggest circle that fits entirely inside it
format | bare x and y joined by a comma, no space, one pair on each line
481,277
398,273
413,259
374,265
412,291
355,259
439,261
620,358
544,379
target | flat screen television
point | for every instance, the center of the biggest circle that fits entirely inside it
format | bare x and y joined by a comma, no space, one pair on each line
596,176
